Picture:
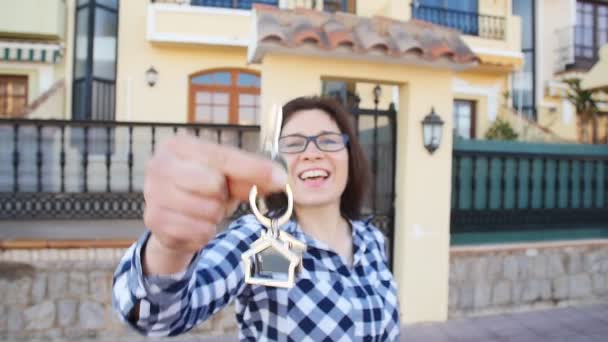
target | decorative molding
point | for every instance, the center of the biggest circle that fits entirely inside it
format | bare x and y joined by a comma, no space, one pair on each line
197,39
496,52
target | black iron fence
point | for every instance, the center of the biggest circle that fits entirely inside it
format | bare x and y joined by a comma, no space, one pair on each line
470,23
504,186
377,133
53,169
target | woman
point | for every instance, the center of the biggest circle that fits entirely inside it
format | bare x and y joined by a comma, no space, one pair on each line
178,275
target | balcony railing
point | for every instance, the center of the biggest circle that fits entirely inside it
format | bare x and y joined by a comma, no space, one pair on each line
469,23
85,170
328,5
577,48
236,4
240,4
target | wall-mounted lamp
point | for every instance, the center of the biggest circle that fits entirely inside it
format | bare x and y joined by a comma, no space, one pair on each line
377,93
432,131
151,76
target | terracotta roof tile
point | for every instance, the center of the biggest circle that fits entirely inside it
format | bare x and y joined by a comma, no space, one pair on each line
404,41
303,31
338,34
377,35
269,27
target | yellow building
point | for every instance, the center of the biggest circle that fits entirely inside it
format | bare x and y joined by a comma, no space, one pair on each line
32,57
568,36
595,78
39,60
224,62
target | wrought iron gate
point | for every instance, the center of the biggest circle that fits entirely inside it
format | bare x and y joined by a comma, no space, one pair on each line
377,130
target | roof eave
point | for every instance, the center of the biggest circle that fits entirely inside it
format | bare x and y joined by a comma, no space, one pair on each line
257,52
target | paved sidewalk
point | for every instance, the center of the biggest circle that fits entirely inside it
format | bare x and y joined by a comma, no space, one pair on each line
71,229
579,324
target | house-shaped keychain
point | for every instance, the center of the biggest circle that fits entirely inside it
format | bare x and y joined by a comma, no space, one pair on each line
273,261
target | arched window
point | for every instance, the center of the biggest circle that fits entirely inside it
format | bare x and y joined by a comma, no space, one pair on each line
225,96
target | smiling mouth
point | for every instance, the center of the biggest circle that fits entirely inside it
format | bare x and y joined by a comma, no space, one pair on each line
316,174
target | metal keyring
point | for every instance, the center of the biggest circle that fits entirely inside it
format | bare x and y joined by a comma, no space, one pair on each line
266,221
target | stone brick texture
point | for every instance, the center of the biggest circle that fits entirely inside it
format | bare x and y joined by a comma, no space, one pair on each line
65,295
511,278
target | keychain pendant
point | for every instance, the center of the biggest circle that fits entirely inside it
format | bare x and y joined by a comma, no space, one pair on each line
275,258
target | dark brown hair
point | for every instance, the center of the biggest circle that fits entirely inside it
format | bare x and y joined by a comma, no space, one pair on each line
353,196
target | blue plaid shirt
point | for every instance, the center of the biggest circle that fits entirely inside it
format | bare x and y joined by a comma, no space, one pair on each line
329,302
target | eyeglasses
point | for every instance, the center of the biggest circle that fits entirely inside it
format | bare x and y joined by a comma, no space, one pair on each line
327,142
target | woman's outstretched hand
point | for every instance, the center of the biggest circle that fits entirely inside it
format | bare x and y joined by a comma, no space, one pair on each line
192,185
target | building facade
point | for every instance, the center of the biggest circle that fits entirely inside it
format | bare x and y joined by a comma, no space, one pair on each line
568,36
230,62
78,62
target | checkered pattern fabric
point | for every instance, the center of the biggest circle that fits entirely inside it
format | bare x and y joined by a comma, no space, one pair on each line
330,301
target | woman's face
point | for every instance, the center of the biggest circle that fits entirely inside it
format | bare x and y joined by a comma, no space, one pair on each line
318,178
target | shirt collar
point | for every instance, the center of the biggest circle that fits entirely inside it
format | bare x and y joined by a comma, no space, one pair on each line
361,240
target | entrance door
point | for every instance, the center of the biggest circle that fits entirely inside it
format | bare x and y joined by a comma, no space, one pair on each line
377,133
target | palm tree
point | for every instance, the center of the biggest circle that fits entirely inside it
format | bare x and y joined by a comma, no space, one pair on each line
586,108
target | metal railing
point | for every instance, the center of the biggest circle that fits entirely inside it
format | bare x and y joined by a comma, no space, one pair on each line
470,23
506,186
576,48
236,4
88,169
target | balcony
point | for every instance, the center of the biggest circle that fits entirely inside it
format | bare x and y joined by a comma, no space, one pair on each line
469,23
494,36
327,5
33,19
218,22
577,48
233,4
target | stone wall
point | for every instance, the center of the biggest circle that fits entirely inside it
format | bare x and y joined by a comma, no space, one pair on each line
65,295
485,280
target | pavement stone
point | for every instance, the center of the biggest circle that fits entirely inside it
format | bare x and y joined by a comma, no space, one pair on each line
574,324
571,324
